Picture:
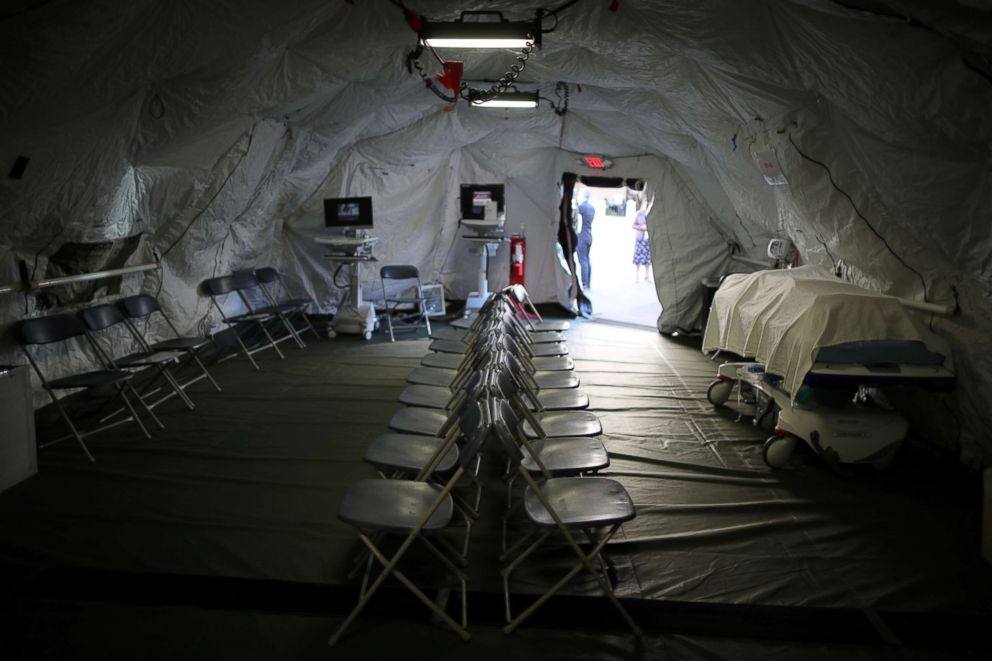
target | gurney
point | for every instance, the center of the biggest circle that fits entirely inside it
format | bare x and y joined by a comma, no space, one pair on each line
816,349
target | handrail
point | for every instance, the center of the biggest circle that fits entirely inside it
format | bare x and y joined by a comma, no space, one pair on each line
32,286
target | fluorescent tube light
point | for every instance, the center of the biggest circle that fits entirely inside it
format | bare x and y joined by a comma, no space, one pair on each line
481,34
510,100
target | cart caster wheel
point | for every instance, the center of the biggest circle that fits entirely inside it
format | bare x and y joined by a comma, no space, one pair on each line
719,392
368,335
331,334
777,450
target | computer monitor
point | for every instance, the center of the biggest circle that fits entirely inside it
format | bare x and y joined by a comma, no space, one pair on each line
347,213
475,196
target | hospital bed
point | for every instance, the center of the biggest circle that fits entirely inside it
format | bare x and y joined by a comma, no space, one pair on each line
816,349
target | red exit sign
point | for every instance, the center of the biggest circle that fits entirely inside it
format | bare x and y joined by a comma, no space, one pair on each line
595,162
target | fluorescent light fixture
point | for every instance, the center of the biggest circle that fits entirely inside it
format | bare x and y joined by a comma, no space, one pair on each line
509,100
480,34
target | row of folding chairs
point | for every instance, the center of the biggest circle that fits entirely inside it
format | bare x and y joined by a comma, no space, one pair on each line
103,329
99,328
504,379
261,305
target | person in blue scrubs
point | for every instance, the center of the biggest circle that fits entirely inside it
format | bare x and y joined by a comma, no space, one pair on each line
588,213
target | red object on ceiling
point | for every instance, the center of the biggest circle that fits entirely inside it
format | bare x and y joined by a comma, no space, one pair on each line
594,162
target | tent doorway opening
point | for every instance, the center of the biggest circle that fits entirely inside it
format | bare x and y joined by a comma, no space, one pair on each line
618,289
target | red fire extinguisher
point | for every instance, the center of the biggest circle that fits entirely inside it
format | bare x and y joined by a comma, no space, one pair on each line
518,251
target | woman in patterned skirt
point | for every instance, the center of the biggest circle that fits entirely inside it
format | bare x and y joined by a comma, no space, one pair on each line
642,251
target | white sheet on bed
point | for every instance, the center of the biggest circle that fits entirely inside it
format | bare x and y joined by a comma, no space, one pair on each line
781,318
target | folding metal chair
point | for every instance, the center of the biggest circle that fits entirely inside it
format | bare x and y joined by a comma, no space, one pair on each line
219,290
541,423
410,310
247,285
143,306
61,328
526,311
416,510
594,506
432,458
101,318
431,421
270,282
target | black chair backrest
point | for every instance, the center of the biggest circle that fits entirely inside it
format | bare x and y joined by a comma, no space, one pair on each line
244,280
506,384
505,421
475,429
45,330
99,317
267,275
218,286
399,272
141,305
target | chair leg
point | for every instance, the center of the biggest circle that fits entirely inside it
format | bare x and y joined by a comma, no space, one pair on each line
272,343
585,562
176,387
144,404
203,368
306,320
134,414
389,568
291,329
246,352
72,427
389,321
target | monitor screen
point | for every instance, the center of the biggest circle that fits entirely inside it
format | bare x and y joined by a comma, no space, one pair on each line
346,212
475,196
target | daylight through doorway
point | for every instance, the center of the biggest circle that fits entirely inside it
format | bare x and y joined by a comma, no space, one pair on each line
614,289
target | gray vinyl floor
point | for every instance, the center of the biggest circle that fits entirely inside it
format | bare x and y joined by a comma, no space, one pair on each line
199,542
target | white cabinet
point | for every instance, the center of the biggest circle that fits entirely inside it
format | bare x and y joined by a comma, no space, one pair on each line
18,452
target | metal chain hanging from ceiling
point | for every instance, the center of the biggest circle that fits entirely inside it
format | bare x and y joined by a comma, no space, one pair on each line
466,91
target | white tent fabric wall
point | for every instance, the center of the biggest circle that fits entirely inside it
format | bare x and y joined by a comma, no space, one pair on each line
218,128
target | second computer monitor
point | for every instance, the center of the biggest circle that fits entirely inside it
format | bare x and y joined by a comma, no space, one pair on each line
348,213
474,198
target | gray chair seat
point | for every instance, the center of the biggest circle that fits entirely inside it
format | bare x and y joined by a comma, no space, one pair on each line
460,335
459,347
562,399
145,358
431,376
408,453
547,325
415,420
448,346
280,308
462,323
437,397
448,361
249,316
181,344
90,379
581,501
567,456
551,349
566,423
553,363
428,397
556,380
395,506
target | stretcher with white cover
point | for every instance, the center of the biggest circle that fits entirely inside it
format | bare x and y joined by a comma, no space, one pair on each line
814,346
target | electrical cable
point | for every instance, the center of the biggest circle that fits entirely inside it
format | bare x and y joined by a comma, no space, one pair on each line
562,7
251,135
860,215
